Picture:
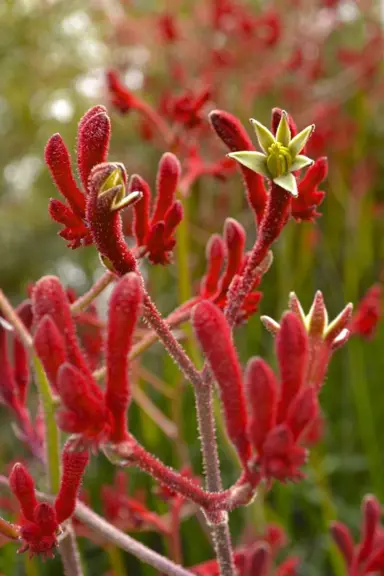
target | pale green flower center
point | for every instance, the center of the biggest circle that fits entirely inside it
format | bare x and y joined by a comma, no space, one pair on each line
279,159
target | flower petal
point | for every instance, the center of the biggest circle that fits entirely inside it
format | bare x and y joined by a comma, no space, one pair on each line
264,136
301,162
283,132
288,182
255,161
299,141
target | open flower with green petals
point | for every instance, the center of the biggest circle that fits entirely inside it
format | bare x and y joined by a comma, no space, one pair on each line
280,154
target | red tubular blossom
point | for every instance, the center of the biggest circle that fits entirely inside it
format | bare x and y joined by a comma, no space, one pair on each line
292,353
234,238
303,411
173,217
124,312
92,148
74,462
215,253
262,394
276,117
49,298
366,318
58,161
258,561
93,141
83,409
23,487
230,130
219,287
141,209
105,221
168,175
214,335
50,348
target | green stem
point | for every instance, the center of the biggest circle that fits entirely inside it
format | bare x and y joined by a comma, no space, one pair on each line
328,511
51,431
116,560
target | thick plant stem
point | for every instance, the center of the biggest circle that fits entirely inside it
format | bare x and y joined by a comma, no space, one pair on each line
70,554
131,453
220,532
204,405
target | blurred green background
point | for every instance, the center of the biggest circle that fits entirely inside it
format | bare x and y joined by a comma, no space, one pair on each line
53,58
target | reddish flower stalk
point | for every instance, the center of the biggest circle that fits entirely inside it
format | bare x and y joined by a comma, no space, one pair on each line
274,219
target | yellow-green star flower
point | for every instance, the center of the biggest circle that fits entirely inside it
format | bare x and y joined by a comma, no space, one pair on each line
281,154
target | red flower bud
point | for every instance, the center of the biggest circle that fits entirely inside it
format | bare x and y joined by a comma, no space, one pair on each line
168,175
49,298
23,487
215,338
124,311
93,141
58,161
292,353
74,462
50,348
233,134
141,208
215,252
262,391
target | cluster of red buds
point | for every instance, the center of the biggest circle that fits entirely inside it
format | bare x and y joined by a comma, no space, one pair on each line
85,409
367,556
272,423
272,420
41,523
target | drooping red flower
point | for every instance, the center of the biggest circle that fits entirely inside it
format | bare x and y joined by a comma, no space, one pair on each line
40,522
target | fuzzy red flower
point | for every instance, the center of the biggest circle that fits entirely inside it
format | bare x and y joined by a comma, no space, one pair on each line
92,148
98,416
40,522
